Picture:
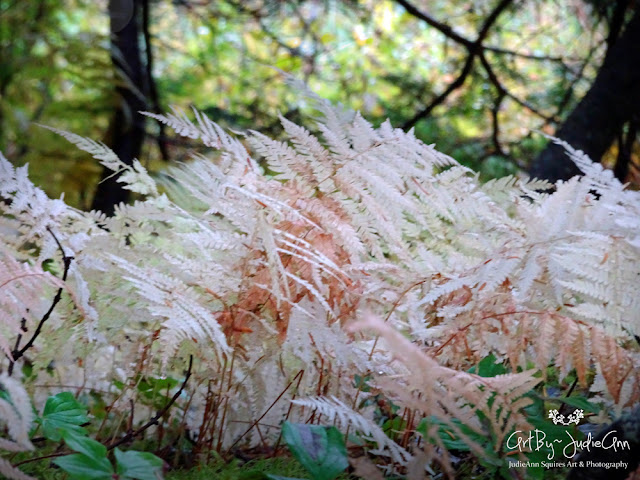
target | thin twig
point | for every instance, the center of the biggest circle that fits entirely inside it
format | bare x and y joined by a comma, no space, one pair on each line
23,329
293,397
528,56
300,373
474,48
495,122
429,20
457,83
568,394
158,415
18,352
502,90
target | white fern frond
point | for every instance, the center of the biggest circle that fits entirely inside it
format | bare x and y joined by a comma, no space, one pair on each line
175,303
595,173
31,211
23,296
135,177
11,472
16,414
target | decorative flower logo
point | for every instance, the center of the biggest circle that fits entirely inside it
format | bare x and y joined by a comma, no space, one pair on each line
558,418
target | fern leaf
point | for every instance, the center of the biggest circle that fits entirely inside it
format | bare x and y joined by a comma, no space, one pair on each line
134,177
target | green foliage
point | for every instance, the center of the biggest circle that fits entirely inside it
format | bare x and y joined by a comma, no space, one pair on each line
153,391
370,55
138,465
320,450
62,419
258,469
489,366
62,414
91,462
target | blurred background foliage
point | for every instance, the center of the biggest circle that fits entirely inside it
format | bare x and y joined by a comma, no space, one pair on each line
60,65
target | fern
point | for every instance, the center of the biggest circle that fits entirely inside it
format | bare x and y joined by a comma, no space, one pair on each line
134,177
21,285
447,393
262,262
17,416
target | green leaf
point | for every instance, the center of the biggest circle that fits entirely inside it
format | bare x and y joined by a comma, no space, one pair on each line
155,390
62,412
82,444
448,436
579,402
394,425
81,467
156,384
489,367
320,450
138,465
49,265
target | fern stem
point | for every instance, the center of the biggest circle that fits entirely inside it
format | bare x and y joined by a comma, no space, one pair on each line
299,374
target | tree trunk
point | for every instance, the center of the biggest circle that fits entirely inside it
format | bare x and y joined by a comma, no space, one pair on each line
610,102
126,130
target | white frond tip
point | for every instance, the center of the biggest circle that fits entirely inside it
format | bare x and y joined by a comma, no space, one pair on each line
600,176
16,414
206,130
11,472
98,150
135,176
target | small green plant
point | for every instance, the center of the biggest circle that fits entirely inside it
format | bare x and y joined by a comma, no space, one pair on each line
62,413
91,461
321,450
64,418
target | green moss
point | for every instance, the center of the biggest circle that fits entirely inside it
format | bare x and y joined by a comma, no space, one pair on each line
254,470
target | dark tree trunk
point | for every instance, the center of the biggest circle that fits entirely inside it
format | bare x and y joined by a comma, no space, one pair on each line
126,131
611,102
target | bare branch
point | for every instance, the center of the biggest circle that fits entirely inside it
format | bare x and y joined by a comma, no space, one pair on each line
473,48
488,23
528,56
457,83
502,90
429,20
495,134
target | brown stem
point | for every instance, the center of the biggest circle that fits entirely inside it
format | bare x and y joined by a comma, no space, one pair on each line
158,415
300,373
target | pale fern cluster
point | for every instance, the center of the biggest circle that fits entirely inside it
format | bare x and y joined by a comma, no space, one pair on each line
16,419
263,261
